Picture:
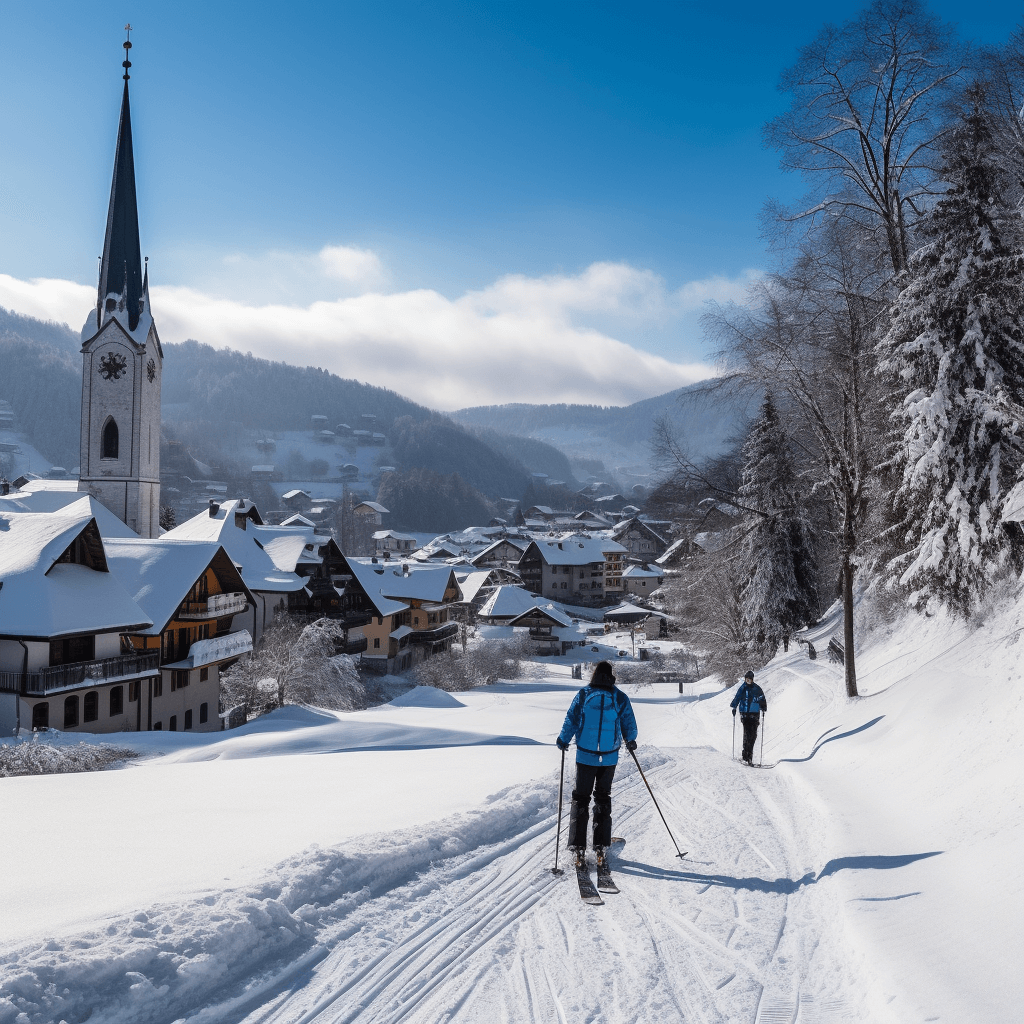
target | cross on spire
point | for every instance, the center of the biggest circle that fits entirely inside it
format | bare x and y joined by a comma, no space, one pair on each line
127,44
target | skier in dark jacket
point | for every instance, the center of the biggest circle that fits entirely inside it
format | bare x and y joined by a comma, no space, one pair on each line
752,703
600,718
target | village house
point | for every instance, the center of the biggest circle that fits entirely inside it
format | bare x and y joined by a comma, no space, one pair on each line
389,544
639,538
504,553
64,659
193,593
641,579
412,607
575,569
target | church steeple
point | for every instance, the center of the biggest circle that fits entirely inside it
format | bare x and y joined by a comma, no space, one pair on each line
122,363
121,270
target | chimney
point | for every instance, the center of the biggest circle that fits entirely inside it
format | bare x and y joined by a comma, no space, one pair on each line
214,508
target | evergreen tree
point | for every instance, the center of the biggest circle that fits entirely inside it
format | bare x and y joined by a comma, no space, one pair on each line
954,362
779,589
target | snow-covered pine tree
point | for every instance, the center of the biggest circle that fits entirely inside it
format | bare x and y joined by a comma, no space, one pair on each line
778,553
953,361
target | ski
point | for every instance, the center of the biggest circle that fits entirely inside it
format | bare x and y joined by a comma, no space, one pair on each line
605,882
617,841
587,891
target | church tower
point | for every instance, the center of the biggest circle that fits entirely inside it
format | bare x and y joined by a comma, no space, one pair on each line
122,361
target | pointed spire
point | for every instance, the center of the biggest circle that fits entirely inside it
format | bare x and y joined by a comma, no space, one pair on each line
121,263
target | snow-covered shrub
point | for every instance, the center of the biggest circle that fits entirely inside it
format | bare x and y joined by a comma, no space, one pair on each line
294,664
483,663
44,756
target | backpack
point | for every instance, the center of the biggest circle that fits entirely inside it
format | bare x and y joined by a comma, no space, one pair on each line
599,731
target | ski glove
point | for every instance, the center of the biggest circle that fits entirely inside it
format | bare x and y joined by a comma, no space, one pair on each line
562,745
631,745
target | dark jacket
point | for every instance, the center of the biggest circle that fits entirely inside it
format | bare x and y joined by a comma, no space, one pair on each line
600,717
749,699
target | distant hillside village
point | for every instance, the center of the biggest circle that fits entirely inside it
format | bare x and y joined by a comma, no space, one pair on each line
116,616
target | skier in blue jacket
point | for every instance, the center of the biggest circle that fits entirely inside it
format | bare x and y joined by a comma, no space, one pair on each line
752,703
600,718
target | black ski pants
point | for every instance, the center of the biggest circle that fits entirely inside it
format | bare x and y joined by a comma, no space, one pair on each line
596,779
750,724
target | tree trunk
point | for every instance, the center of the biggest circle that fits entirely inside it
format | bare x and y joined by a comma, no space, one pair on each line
849,662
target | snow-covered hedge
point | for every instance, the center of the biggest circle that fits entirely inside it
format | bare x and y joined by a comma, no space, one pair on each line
50,757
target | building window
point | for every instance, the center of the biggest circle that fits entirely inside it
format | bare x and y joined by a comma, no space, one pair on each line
74,649
70,712
376,641
116,701
41,715
158,726
204,674
204,713
91,706
158,687
179,679
416,620
133,691
188,719
563,586
110,439
173,726
380,620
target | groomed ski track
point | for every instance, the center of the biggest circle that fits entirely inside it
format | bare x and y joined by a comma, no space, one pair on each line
719,937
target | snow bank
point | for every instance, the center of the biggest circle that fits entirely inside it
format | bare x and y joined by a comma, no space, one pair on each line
426,697
159,964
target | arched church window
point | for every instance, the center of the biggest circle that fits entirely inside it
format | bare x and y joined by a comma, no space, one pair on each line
110,440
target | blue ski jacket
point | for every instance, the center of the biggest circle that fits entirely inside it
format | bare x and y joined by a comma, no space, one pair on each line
600,720
749,699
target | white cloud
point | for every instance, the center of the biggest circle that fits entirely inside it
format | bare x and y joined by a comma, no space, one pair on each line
694,294
520,339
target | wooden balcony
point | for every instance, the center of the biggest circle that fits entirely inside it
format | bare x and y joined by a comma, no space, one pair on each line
214,607
84,673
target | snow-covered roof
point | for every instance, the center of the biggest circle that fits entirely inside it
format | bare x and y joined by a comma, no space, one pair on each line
402,631
372,505
519,543
382,534
548,610
577,550
507,602
42,598
390,588
159,573
626,612
471,582
298,520
638,572
293,494
70,501
265,565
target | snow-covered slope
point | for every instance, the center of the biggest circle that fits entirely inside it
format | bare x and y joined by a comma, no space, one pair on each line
869,876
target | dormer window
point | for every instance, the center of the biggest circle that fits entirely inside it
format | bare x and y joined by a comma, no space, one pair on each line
111,305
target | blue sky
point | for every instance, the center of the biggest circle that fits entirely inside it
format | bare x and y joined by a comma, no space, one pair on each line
434,149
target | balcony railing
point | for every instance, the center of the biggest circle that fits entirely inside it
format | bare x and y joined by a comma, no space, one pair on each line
435,635
356,645
214,606
219,648
106,670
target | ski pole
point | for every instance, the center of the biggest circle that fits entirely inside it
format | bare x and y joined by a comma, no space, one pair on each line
651,791
734,735
764,718
556,870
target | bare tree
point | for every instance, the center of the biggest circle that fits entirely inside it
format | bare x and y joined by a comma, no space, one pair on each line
811,333
301,663
866,117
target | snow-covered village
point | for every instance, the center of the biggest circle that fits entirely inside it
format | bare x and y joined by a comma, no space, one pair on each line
526,522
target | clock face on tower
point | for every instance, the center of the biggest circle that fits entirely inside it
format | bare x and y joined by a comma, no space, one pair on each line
113,366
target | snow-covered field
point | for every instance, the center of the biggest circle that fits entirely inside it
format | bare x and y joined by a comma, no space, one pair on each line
393,864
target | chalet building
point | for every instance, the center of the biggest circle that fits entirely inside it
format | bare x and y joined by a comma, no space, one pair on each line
550,631
640,539
574,569
504,553
297,501
65,662
389,544
193,593
412,607
641,579
504,604
122,362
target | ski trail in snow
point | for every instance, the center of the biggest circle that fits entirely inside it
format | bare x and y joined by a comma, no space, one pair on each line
496,936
